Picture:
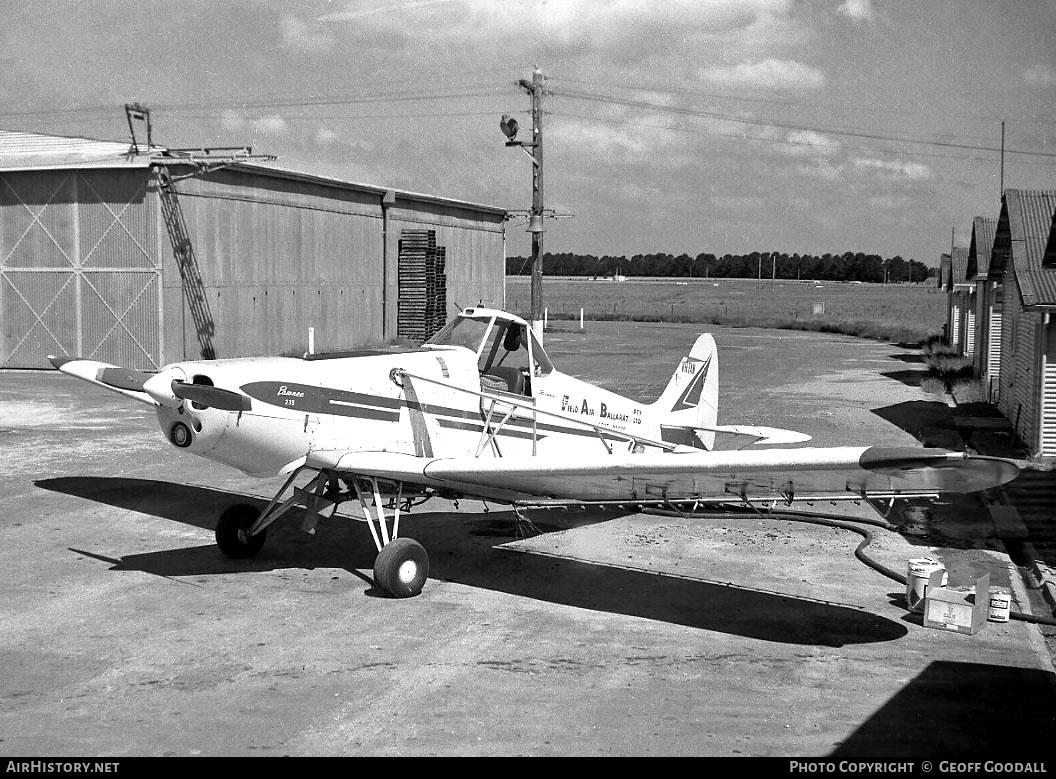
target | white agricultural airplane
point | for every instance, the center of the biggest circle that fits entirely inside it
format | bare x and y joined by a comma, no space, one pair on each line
479,411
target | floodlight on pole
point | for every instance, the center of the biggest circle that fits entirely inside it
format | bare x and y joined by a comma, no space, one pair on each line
509,127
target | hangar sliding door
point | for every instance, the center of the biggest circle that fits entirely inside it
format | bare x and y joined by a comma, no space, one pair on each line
80,273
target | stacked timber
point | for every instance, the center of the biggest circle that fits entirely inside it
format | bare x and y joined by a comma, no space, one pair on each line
422,306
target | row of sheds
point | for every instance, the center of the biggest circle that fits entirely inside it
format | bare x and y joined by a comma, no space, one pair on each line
142,256
1002,312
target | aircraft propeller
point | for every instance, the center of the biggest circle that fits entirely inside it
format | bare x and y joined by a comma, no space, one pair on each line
167,388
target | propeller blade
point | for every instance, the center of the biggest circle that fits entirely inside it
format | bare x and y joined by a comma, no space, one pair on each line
123,378
214,397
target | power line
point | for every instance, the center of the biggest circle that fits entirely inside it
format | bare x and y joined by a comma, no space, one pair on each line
787,142
803,104
700,113
100,112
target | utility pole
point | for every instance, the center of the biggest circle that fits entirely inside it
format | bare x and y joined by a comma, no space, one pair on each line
508,125
1002,192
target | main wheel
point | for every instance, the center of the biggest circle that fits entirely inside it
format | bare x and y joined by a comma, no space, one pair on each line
232,531
401,568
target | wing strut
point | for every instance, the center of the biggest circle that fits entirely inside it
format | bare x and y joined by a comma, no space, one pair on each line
488,434
604,433
380,533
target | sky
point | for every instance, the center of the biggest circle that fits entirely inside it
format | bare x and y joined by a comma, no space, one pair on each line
677,126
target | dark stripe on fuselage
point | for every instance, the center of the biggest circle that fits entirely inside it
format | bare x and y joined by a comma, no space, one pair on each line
308,399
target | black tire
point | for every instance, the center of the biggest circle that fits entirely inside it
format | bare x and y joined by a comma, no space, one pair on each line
231,530
401,568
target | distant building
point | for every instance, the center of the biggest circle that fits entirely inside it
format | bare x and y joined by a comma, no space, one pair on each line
987,330
142,256
960,312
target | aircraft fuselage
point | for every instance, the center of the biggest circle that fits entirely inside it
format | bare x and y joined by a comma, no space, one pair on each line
425,402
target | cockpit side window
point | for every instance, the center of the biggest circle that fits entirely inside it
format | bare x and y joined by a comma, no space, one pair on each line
507,365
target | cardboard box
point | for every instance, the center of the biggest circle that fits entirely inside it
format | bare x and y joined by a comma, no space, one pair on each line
957,609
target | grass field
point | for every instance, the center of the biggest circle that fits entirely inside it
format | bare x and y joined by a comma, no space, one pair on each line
893,312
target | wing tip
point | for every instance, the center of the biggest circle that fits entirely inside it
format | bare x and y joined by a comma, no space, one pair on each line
940,468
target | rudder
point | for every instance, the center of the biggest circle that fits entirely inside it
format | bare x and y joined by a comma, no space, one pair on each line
691,398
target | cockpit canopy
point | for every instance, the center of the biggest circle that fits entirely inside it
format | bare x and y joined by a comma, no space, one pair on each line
504,344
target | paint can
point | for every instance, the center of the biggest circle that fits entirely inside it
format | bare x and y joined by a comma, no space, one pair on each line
920,571
1000,604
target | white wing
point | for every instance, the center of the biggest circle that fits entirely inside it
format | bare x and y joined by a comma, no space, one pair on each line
693,475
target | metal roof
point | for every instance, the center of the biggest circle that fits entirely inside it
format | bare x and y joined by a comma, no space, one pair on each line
981,246
959,265
29,151
952,268
380,191
1025,226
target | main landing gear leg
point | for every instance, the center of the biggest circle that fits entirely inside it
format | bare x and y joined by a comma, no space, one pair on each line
242,528
402,565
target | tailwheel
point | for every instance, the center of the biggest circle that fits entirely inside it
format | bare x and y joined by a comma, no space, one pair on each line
401,568
232,531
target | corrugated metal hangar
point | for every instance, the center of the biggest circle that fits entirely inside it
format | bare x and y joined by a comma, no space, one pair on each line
141,257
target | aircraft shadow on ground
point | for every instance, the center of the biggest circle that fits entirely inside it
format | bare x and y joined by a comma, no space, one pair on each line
466,548
964,711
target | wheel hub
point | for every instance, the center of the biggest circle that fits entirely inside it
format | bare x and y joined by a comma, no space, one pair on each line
407,571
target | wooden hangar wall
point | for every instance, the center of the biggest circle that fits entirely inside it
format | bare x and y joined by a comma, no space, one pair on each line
242,261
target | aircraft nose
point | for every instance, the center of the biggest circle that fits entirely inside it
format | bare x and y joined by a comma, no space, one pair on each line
159,387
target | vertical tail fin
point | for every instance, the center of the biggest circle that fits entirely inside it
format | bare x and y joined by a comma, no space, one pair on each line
691,398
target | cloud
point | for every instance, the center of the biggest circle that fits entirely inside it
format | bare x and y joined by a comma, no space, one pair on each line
810,143
896,169
768,73
632,140
275,126
354,11
271,125
888,202
821,169
859,10
1040,76
624,28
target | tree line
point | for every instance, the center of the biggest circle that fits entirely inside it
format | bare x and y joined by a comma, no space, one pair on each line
849,266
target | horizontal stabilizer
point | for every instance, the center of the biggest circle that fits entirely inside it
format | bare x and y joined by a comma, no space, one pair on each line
749,435
764,435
